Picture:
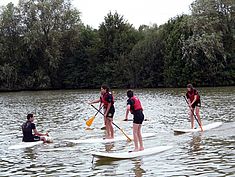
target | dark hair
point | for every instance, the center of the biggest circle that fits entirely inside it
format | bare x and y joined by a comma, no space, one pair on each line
190,86
29,116
129,93
105,87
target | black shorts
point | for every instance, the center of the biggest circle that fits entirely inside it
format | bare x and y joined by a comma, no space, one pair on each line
138,117
31,138
196,103
111,112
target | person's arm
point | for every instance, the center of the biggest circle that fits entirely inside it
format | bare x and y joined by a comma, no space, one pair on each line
94,101
39,134
127,111
189,101
195,98
101,105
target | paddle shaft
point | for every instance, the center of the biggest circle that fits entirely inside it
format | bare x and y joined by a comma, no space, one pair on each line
193,113
113,124
98,110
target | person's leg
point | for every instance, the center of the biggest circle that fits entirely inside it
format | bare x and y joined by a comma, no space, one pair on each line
111,131
191,117
135,136
42,138
141,147
198,115
106,128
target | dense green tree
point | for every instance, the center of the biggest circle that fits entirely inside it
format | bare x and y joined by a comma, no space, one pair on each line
50,26
78,69
44,45
117,38
209,51
146,61
10,46
175,72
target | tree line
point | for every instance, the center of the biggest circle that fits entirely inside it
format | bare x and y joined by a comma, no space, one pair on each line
45,45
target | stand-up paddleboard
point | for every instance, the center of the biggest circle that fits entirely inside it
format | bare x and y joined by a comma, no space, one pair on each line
101,140
29,144
25,145
206,127
129,155
59,149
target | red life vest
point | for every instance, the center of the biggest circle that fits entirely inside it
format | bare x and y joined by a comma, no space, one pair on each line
137,105
191,95
104,98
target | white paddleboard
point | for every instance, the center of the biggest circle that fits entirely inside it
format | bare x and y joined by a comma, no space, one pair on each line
25,145
101,140
129,155
60,149
206,127
29,144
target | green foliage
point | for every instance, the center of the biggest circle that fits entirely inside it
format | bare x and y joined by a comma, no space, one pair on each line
44,45
146,61
116,39
174,32
205,51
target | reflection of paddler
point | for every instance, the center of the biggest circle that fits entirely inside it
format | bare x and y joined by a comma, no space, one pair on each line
27,129
195,143
137,168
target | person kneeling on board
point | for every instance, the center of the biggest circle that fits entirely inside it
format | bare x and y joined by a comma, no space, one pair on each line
134,106
27,129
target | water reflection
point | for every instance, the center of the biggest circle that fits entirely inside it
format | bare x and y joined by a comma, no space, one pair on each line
195,145
29,153
109,147
138,171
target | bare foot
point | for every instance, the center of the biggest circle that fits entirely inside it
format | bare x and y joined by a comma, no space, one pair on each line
108,137
141,149
135,150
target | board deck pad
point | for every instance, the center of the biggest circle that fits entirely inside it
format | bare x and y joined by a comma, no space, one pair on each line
101,140
206,127
129,155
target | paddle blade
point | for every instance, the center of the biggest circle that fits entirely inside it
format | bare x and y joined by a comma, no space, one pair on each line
89,121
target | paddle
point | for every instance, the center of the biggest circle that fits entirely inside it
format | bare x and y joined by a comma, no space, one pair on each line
91,119
129,139
193,113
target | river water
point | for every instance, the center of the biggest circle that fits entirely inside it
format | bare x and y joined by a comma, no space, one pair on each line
63,114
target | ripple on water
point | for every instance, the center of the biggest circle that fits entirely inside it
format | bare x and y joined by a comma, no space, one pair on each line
63,113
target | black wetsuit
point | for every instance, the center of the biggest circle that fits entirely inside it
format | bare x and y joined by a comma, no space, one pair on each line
28,136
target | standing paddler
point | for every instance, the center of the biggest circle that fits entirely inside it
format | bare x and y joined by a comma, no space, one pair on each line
134,106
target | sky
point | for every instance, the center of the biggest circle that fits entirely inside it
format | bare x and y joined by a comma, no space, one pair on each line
136,12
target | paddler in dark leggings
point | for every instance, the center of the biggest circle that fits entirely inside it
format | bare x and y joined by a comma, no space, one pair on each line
134,106
106,99
27,129
194,101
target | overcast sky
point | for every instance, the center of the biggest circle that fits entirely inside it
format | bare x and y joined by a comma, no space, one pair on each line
136,12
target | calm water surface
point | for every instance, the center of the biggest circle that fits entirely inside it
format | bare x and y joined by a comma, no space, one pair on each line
63,113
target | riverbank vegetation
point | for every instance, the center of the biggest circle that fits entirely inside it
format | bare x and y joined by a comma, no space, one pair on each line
45,45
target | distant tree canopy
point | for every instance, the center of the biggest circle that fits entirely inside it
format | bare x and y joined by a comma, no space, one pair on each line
45,45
